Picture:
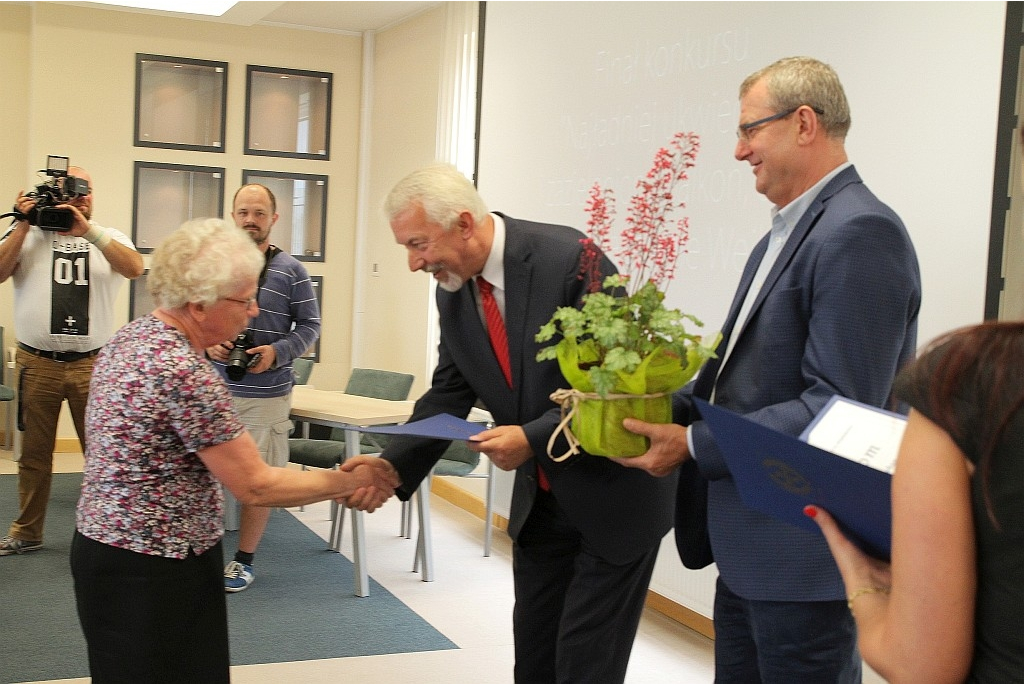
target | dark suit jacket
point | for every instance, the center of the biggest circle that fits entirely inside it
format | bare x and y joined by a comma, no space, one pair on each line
836,315
620,512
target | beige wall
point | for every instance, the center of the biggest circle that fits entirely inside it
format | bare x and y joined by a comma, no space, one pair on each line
404,121
15,35
78,100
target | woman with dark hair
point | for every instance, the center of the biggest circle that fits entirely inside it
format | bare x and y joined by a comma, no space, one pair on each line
950,607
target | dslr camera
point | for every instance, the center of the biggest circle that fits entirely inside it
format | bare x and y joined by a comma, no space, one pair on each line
240,361
60,190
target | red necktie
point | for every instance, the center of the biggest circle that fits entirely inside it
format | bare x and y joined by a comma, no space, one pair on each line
499,343
495,327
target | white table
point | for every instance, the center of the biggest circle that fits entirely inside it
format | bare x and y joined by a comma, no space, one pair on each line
339,410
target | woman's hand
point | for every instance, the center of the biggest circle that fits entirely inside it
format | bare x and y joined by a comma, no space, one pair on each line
375,482
859,571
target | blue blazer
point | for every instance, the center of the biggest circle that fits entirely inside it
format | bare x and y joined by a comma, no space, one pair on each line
621,513
837,315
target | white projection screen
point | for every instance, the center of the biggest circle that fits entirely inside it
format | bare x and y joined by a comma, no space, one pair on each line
578,92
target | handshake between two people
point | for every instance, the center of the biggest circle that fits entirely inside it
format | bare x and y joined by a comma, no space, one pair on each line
374,481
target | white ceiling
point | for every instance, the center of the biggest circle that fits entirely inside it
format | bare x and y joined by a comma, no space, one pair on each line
343,16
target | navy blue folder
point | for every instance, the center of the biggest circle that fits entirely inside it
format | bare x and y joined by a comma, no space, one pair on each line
779,475
443,426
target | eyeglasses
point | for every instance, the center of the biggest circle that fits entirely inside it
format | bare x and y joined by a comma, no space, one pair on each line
248,302
747,131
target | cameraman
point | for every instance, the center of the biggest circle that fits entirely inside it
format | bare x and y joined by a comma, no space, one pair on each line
65,285
287,325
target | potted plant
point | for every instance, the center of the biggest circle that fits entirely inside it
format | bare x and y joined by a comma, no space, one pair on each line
623,352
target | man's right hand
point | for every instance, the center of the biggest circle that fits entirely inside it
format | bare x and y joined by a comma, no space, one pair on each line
374,479
668,447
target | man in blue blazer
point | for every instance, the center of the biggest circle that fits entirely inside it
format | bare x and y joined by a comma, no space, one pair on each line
827,305
586,531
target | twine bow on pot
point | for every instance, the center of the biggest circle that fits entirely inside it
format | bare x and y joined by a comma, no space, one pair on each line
570,401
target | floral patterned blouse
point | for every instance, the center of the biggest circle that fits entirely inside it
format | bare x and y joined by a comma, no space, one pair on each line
154,402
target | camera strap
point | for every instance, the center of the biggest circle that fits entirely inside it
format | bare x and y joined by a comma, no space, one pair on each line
272,251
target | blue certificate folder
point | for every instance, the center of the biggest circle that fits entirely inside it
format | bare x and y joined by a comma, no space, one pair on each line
779,475
442,426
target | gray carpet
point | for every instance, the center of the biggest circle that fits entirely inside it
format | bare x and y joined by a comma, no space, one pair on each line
301,606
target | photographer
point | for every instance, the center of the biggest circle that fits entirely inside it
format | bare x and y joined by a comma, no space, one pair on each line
257,365
65,285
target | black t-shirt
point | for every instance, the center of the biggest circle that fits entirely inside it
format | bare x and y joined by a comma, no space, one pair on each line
999,613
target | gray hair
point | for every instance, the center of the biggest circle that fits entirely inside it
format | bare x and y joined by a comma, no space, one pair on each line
441,190
201,262
796,81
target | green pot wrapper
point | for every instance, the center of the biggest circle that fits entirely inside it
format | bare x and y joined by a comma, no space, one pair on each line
594,423
598,422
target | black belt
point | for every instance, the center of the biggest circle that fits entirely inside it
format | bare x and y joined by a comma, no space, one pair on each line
59,356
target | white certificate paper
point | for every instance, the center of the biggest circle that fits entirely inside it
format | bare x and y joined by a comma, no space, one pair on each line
862,433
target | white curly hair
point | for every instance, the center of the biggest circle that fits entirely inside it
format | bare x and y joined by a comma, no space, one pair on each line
201,262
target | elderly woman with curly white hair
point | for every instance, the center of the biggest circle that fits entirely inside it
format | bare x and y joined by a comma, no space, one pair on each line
160,433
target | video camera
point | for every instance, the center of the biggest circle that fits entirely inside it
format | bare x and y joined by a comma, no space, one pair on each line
60,190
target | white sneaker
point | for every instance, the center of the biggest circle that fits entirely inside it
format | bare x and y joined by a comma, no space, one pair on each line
238,576
12,545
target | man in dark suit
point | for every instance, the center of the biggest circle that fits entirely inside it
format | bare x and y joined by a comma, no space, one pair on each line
586,531
827,304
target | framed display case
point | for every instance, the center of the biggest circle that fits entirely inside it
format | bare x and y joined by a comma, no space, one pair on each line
302,211
168,195
140,302
287,112
318,288
180,103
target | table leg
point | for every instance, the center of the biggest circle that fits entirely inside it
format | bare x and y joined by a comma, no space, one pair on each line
362,580
424,542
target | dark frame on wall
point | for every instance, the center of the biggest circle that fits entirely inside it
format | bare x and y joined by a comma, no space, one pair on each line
318,287
1006,148
140,302
167,195
301,228
288,112
180,103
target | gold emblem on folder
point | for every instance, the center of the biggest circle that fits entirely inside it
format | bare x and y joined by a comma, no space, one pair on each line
786,477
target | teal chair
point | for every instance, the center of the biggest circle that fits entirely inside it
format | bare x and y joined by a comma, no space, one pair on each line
7,394
457,460
302,368
328,454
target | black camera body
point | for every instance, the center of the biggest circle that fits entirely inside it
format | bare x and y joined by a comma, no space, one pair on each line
239,361
60,190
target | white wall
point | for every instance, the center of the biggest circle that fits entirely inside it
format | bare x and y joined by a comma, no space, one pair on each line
579,92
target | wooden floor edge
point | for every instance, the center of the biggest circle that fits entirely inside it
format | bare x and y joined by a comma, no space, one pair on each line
463,499
476,506
677,612
60,445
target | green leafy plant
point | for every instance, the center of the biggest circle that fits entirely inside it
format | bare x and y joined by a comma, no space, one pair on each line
624,342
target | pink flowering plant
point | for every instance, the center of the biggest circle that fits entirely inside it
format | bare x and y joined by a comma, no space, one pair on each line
623,352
